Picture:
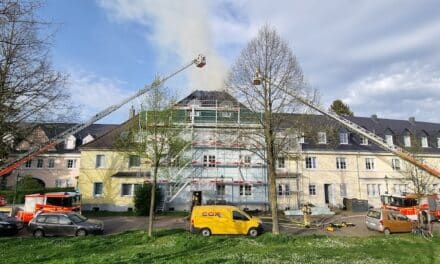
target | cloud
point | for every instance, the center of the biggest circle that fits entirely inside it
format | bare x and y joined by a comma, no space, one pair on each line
181,28
402,90
94,94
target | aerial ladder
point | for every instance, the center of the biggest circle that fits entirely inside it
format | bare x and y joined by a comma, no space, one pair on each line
200,61
379,141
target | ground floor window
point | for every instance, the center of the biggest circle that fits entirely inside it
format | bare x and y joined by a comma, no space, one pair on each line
283,189
374,190
220,189
245,190
128,189
312,189
97,189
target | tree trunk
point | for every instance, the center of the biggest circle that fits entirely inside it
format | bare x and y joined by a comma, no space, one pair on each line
152,203
272,188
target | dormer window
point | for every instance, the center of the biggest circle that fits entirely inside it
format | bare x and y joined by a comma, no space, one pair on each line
364,141
343,137
389,139
424,141
407,140
87,139
70,142
322,138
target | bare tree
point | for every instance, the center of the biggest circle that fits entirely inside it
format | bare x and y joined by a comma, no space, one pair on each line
280,75
156,138
30,89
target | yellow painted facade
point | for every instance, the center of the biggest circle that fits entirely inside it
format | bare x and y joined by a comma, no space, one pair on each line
112,197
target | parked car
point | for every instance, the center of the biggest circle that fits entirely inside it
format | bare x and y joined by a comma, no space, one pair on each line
64,224
388,221
9,225
224,219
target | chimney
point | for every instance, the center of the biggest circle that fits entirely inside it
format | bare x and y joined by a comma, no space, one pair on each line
374,117
131,112
412,120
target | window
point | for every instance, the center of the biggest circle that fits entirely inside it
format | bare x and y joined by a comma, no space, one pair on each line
424,141
64,220
369,163
389,139
51,219
71,163
395,164
281,163
59,182
226,114
247,159
51,163
343,138
311,162
239,216
399,188
407,140
343,188
97,189
209,161
341,163
364,141
322,138
100,161
134,161
128,189
312,189
220,189
69,183
373,190
245,190
39,163
283,189
28,164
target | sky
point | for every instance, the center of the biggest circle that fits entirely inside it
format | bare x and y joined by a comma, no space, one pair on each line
379,56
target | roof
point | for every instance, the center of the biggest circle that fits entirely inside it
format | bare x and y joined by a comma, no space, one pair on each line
210,99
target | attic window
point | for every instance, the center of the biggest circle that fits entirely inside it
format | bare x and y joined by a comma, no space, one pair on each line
424,141
70,142
407,140
322,138
389,139
343,138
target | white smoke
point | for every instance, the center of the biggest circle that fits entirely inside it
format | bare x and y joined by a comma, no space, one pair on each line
179,27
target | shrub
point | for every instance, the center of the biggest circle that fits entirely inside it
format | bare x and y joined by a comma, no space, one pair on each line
142,199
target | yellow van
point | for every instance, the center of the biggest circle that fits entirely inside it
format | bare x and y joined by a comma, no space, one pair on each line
224,219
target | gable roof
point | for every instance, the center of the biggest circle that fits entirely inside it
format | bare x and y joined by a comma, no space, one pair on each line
210,99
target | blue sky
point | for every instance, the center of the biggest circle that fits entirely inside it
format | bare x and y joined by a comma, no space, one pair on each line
381,57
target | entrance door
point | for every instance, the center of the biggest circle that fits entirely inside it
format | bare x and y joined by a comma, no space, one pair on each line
328,193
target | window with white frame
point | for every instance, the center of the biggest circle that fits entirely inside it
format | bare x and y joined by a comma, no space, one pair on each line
100,161
424,141
343,138
220,189
97,189
399,188
51,163
395,164
284,189
373,190
209,161
389,139
281,163
40,163
59,183
369,163
343,189
311,162
71,163
69,183
245,190
134,161
128,189
312,189
364,140
341,163
28,164
407,140
322,138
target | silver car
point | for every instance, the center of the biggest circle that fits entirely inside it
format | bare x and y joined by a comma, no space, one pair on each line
64,224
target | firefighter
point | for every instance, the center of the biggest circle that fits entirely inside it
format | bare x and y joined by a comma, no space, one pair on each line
307,212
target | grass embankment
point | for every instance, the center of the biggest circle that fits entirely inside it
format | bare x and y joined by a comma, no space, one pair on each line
179,246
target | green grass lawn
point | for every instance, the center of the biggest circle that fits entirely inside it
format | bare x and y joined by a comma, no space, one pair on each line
179,246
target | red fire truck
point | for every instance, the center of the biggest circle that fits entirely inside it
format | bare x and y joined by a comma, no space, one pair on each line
411,205
49,202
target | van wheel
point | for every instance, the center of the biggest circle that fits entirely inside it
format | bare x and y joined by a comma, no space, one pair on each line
81,233
38,233
205,232
253,232
387,232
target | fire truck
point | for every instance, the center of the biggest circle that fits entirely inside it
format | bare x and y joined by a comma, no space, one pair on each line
411,205
49,202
